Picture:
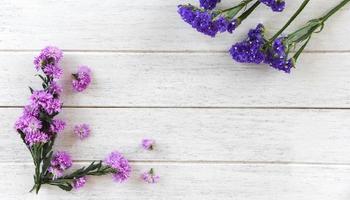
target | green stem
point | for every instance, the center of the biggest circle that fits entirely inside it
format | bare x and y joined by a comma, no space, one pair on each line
334,10
301,8
242,4
244,15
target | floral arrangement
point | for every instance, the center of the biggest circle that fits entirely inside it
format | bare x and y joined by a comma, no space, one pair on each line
281,51
38,127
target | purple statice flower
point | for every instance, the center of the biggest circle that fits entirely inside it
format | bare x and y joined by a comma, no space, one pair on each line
150,177
79,182
32,138
118,162
53,106
33,126
204,22
46,100
55,88
48,56
208,4
57,126
82,131
60,161
277,56
250,50
148,144
31,110
275,5
82,79
53,70
40,97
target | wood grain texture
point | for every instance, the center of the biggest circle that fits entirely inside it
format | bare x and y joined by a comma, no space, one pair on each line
186,80
143,25
238,135
180,181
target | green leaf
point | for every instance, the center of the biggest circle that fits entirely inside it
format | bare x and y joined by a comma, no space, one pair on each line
67,187
31,90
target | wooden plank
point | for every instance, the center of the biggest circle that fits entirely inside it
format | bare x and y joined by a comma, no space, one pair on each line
186,80
251,135
187,181
143,25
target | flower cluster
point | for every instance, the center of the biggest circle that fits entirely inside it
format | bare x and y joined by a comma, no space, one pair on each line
255,49
82,79
150,176
148,144
82,131
118,162
36,124
208,4
210,22
60,161
48,61
38,129
275,5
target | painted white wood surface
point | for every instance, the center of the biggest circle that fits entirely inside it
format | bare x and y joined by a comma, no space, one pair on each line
142,25
204,181
224,130
186,79
237,135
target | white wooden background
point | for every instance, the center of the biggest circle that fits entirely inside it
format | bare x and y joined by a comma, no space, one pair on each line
224,130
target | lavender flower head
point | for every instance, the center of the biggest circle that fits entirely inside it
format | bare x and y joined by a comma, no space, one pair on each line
148,144
57,126
150,177
250,50
82,79
275,5
60,161
117,161
82,131
203,21
47,101
208,4
79,182
36,137
48,60
55,89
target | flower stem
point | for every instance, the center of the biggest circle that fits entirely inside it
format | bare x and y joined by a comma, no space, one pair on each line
300,9
334,10
244,15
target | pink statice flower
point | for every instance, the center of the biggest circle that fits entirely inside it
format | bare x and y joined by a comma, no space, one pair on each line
57,126
118,162
81,79
79,182
148,144
48,55
60,161
82,131
150,176
36,137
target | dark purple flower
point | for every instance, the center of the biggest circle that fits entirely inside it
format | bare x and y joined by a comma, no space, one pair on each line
204,22
148,144
250,50
82,131
150,177
117,161
79,182
208,4
277,56
82,79
48,56
60,161
275,5
57,126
